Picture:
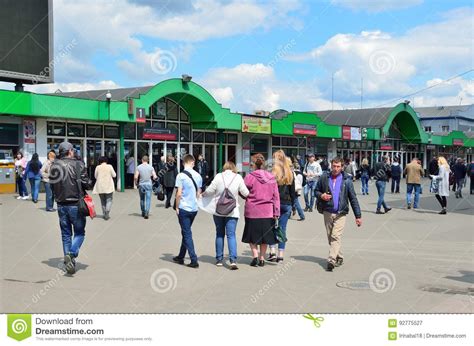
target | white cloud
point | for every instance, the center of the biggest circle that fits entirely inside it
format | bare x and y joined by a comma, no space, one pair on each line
391,65
223,95
67,87
374,6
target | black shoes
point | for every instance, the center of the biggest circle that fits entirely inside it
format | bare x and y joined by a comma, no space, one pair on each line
193,265
145,216
70,264
178,260
279,259
409,206
388,209
310,210
254,262
106,216
443,212
261,263
272,258
339,261
379,212
233,266
330,267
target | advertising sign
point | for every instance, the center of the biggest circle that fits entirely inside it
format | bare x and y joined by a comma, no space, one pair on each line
256,125
304,129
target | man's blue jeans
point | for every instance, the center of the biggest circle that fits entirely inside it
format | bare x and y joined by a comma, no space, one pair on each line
285,213
145,191
380,185
309,189
186,219
410,188
35,185
72,228
365,183
49,196
225,225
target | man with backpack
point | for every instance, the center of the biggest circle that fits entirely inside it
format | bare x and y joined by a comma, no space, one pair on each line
188,184
334,192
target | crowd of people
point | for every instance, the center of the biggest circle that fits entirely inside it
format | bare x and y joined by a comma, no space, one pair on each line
271,193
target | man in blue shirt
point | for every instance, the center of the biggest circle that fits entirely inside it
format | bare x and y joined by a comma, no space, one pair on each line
334,191
188,184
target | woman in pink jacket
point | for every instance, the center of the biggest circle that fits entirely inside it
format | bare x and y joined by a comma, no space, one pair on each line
262,207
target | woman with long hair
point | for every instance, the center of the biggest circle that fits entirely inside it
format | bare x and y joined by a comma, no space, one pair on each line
442,187
104,185
45,174
33,174
262,208
365,176
286,189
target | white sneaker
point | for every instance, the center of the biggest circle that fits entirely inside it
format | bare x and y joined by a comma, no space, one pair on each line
25,197
19,197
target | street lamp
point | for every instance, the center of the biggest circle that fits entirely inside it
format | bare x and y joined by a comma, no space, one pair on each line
108,97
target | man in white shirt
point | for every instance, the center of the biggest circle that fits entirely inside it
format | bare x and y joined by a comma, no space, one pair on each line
312,172
130,171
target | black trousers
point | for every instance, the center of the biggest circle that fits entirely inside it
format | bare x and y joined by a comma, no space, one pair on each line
442,200
169,194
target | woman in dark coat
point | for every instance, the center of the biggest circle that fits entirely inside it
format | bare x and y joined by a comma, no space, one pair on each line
169,179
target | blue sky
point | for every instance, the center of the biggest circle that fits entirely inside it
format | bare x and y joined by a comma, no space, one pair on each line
270,54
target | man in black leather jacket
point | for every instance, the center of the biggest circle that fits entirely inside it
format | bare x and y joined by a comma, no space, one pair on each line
64,181
334,192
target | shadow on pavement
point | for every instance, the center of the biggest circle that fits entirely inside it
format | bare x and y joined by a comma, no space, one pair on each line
58,263
467,276
321,261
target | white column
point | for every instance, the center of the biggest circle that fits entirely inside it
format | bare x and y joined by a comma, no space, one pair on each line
41,139
238,152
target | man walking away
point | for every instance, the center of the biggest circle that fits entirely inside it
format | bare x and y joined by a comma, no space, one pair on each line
188,183
413,172
68,175
202,167
334,191
460,171
382,174
396,173
143,176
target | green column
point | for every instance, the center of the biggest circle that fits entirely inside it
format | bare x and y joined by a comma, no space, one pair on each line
220,136
122,157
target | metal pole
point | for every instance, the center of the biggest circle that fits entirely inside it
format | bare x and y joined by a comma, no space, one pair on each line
221,147
122,156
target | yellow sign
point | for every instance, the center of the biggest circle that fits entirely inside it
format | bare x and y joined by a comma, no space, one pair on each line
256,125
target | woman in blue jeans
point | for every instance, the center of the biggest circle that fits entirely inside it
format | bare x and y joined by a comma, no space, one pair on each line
286,187
33,174
365,176
226,224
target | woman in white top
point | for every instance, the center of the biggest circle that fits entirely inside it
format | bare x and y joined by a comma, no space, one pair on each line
104,185
443,184
227,224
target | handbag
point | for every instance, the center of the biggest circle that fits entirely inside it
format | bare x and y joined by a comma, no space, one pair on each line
85,204
160,194
279,235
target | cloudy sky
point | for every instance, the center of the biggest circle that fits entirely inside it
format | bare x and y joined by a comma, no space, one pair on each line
271,54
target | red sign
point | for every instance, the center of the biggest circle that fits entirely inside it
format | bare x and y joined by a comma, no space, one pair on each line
304,129
458,142
159,134
346,133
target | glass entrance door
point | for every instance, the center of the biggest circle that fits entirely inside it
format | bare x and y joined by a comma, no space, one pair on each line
209,156
93,152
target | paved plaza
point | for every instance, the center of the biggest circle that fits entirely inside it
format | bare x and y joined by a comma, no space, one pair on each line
412,261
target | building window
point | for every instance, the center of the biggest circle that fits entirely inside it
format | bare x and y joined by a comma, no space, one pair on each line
445,128
185,132
232,138
172,110
111,132
210,137
94,131
75,130
129,131
427,128
198,137
56,129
